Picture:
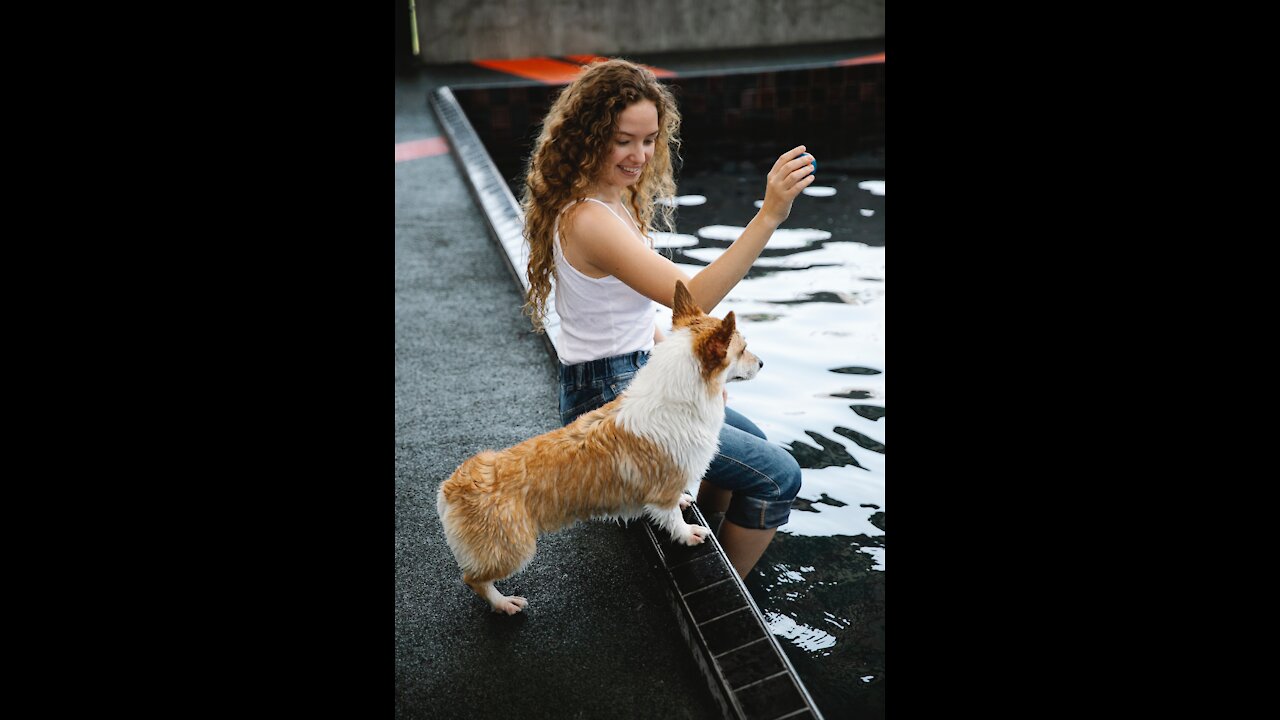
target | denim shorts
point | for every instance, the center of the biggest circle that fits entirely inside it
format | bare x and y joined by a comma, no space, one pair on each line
763,476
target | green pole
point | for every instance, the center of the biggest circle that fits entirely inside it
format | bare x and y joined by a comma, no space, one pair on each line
413,26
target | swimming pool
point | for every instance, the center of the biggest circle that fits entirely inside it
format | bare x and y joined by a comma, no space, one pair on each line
813,308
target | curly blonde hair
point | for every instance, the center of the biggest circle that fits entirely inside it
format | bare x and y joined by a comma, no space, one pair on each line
572,151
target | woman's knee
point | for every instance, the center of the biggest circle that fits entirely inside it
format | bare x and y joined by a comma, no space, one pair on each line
788,477
783,473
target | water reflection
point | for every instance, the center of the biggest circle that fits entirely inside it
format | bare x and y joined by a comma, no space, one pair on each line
819,191
815,304
870,412
682,200
825,604
813,308
828,452
801,635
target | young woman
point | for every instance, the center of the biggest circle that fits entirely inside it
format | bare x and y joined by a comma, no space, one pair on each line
601,161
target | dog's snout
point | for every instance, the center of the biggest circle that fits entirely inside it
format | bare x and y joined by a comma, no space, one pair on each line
761,364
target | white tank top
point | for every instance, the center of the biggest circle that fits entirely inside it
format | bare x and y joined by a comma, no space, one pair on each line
599,317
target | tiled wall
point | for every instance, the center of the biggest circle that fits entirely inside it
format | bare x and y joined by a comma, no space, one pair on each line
735,118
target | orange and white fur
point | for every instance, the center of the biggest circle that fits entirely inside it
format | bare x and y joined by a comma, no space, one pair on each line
638,455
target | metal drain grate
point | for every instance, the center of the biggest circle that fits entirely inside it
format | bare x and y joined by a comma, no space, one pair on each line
748,672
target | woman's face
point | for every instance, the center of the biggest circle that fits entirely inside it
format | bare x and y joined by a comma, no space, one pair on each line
632,144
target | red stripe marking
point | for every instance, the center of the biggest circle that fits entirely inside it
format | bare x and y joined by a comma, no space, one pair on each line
414,149
588,59
867,60
544,70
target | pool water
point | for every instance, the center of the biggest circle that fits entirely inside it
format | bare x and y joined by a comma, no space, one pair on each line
813,309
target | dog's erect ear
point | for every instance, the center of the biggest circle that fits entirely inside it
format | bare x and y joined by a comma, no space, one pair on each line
714,347
724,334
728,325
683,308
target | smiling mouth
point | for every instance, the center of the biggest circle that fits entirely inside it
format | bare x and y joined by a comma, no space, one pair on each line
631,171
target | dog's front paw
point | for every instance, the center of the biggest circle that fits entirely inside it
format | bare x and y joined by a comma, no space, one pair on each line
685,500
695,535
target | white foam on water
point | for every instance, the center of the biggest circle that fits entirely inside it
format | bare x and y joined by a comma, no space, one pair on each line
876,187
819,191
866,213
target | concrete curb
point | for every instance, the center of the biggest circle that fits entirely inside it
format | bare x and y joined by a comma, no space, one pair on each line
501,211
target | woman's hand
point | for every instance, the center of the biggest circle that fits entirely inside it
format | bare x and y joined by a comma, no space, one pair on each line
793,172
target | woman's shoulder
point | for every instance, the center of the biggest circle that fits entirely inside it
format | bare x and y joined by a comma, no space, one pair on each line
590,216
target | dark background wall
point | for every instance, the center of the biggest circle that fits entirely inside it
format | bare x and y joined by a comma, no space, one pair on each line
840,109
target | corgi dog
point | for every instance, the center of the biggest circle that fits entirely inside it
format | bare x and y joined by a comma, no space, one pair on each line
635,456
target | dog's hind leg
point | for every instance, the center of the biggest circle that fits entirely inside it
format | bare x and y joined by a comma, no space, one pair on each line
672,520
501,560
509,604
